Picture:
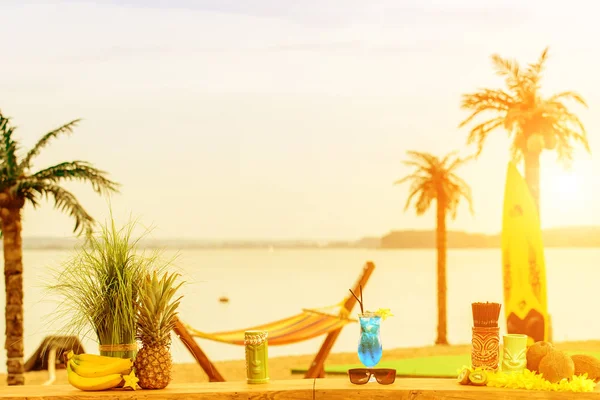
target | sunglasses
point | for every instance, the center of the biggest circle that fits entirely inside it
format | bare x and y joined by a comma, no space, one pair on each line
360,376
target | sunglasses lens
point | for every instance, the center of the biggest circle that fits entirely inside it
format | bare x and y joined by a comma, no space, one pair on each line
385,376
359,376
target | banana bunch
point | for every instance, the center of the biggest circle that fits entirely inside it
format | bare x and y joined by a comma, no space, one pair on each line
90,372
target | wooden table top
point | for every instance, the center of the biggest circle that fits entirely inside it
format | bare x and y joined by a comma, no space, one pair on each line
298,389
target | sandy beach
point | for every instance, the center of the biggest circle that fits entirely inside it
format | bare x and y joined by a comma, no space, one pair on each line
280,367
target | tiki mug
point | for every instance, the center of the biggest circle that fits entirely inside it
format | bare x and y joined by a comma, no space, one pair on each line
257,356
514,356
485,345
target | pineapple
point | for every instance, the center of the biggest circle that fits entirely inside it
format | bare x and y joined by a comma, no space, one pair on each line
155,319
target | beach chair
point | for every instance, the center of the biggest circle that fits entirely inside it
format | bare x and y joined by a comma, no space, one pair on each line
306,325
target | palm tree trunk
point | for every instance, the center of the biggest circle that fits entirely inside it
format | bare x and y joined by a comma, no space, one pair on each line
10,218
441,272
532,176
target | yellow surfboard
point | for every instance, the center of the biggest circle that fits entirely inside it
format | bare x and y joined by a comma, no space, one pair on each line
523,266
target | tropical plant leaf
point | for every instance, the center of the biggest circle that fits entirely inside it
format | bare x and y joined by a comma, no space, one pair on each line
8,151
66,202
78,170
43,142
16,179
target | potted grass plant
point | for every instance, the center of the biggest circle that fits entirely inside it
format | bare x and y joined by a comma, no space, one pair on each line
99,287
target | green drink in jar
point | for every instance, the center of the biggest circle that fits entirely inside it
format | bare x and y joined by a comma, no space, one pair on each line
257,356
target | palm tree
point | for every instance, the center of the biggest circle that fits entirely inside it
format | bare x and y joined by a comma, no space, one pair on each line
435,178
533,121
17,187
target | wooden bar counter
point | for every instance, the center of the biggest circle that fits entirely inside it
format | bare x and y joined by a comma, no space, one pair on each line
298,389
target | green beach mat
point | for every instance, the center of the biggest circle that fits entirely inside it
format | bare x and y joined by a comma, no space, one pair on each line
421,367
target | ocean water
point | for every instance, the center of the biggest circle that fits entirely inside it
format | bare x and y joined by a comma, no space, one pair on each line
266,285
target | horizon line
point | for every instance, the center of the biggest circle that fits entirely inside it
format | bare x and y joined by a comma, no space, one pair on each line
263,239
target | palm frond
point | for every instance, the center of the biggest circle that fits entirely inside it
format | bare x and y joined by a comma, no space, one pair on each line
568,95
459,162
418,186
464,190
68,203
424,158
64,201
564,150
480,132
535,70
559,113
485,100
407,178
447,158
81,171
565,138
43,142
457,180
424,201
8,150
420,167
506,67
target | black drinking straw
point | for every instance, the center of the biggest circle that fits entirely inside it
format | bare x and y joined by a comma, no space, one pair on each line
359,300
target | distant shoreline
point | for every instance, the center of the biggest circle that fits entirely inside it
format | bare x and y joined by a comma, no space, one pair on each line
564,237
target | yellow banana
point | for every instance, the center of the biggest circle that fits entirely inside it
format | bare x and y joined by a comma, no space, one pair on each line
94,364
91,384
90,370
94,358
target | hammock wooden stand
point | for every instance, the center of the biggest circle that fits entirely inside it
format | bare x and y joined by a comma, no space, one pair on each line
306,325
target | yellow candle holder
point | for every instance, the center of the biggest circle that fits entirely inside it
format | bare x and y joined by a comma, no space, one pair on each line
514,355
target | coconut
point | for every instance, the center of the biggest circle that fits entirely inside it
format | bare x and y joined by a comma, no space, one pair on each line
535,143
557,365
535,353
550,141
585,364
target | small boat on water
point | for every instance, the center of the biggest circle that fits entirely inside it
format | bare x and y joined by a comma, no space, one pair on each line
224,299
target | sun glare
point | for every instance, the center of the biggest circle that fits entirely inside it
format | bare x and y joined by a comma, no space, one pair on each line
564,186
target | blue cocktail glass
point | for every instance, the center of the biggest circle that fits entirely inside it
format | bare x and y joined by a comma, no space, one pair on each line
369,345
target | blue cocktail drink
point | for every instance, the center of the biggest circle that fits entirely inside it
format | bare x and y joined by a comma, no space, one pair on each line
369,345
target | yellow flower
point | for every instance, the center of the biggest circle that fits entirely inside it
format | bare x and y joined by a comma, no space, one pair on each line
384,313
131,380
532,381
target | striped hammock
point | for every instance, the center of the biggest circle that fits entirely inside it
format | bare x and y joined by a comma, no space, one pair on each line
309,324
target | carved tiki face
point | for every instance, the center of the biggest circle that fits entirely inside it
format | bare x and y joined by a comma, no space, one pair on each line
514,360
515,353
485,345
254,363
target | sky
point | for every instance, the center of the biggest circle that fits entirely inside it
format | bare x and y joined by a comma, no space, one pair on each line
281,119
